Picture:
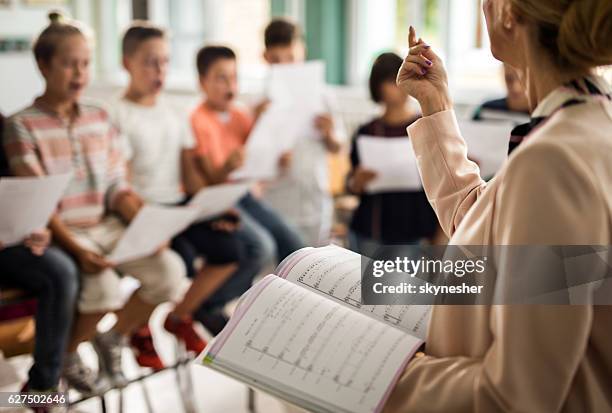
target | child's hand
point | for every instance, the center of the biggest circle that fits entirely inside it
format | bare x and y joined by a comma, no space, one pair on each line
235,160
423,77
91,262
284,162
325,125
260,108
38,241
361,178
228,222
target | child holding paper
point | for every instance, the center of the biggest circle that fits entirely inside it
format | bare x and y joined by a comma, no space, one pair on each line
221,130
513,106
159,146
301,194
60,134
52,277
387,218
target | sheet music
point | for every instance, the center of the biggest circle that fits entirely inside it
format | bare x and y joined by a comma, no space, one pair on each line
487,143
296,93
26,205
276,131
215,200
305,347
152,227
394,162
335,273
302,83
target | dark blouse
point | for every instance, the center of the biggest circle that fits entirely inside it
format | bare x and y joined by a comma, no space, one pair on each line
391,217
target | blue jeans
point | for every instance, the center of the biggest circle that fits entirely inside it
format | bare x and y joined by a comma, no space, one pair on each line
54,279
286,238
266,238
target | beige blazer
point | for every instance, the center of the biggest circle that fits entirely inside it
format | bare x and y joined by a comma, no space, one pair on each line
556,188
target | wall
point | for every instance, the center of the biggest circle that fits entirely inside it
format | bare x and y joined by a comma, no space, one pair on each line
19,78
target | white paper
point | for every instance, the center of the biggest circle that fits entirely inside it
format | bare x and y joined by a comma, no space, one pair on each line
217,199
26,205
487,143
275,132
394,162
302,83
151,228
296,93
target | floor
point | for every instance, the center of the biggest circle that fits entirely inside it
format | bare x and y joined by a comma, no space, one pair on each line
213,391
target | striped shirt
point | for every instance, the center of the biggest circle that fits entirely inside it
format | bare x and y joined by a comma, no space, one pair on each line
86,146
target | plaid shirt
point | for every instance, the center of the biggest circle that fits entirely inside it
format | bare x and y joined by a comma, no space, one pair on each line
86,146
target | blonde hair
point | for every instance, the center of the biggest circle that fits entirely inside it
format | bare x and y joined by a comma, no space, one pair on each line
576,33
48,40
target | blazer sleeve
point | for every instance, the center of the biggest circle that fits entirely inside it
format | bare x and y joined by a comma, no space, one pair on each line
451,181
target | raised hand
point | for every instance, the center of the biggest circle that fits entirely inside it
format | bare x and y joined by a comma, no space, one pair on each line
422,76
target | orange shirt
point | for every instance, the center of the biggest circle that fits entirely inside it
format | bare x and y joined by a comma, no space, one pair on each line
219,134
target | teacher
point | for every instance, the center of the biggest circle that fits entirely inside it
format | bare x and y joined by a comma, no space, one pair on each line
554,189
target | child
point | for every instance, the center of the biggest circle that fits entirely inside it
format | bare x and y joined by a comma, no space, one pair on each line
391,217
59,134
302,194
221,130
513,106
159,145
52,277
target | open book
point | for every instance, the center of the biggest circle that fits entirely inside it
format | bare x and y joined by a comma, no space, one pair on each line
304,336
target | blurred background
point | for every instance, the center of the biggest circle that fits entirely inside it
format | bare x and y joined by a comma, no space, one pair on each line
347,34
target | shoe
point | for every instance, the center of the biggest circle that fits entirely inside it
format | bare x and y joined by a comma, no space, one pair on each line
144,350
81,378
109,347
214,321
183,329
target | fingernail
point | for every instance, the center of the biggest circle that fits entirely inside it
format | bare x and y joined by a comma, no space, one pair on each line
423,71
426,46
429,62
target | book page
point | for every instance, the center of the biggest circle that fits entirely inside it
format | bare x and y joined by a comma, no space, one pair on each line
335,272
310,350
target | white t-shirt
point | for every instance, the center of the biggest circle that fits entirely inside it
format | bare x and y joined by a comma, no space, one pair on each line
153,138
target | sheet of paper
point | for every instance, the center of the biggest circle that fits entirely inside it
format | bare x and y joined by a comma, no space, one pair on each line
26,205
335,272
394,162
311,350
487,143
217,199
299,83
275,132
296,93
152,227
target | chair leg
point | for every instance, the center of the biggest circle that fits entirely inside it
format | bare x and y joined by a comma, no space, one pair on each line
251,401
121,400
146,396
183,378
103,403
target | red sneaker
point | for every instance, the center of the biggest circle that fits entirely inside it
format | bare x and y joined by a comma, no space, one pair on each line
144,350
183,329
